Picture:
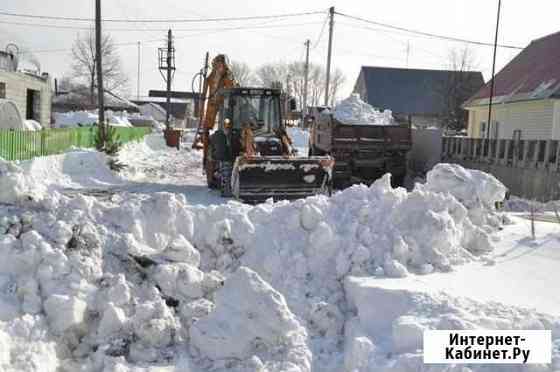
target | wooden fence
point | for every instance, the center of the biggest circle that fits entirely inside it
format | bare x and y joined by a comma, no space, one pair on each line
23,145
538,154
529,168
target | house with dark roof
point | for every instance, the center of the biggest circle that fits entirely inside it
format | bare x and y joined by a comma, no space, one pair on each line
420,96
526,99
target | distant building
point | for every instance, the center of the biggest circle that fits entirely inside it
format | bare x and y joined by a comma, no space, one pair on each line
181,102
78,99
31,93
418,95
526,102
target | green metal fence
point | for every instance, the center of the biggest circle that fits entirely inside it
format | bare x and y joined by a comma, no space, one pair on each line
23,145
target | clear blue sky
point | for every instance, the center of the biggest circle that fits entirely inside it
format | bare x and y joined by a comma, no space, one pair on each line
354,45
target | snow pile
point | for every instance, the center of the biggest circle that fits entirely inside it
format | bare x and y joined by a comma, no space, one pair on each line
118,119
126,281
32,125
154,111
74,118
33,179
400,315
86,118
354,111
476,190
261,325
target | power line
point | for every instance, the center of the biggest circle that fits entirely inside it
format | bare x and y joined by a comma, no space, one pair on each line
363,27
161,29
204,32
195,20
321,33
427,34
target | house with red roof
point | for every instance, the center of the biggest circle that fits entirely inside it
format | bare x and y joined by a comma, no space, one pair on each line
526,102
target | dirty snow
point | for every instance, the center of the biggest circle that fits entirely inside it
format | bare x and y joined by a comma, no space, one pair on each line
151,271
353,110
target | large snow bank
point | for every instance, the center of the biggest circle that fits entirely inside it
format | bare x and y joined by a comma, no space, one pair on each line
33,179
390,323
74,119
152,280
353,110
86,118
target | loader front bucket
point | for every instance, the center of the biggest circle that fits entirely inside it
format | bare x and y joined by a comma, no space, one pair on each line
258,178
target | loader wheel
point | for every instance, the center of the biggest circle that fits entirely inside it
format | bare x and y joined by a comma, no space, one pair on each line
225,178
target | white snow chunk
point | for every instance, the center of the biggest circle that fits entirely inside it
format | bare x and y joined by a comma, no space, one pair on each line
260,321
354,111
310,216
394,269
470,187
407,334
113,320
181,250
357,353
64,312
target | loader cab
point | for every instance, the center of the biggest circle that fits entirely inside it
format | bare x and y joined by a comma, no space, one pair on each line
258,108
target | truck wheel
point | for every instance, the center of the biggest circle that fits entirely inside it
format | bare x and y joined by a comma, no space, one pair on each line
225,178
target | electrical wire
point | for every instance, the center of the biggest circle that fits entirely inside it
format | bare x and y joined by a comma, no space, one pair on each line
320,33
155,29
427,34
203,32
192,20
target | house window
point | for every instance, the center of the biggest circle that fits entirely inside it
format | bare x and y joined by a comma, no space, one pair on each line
482,129
2,90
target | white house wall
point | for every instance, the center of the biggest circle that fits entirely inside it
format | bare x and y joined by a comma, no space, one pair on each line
535,119
16,90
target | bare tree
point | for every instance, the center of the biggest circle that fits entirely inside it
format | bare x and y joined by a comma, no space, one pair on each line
460,84
337,81
270,73
84,64
295,73
242,73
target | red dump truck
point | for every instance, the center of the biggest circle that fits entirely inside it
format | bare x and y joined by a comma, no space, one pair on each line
362,152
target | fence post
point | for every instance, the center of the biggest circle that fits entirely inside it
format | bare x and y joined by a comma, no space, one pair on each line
557,164
535,159
12,145
547,154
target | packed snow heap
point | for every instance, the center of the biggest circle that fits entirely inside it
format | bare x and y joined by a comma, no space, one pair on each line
354,111
124,281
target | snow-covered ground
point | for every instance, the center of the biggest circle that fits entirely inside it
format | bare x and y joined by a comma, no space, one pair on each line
148,270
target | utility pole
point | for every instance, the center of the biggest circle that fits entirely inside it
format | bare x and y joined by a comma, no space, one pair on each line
493,71
99,67
138,79
306,78
331,26
169,57
167,64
